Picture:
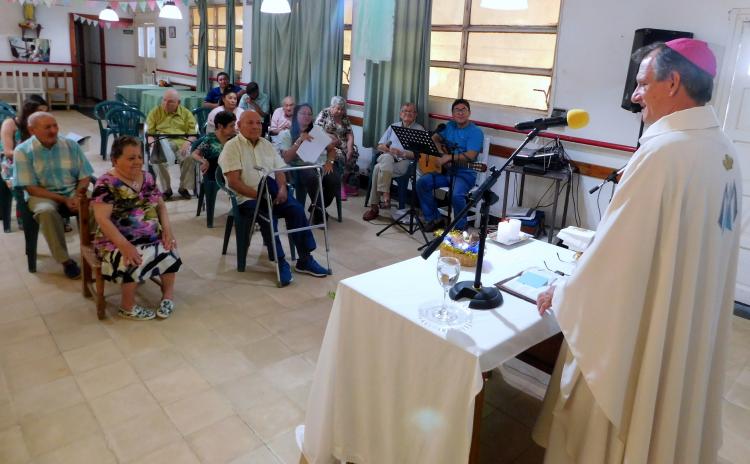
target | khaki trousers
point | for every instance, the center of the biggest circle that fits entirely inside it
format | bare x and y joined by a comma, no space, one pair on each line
382,175
187,168
51,226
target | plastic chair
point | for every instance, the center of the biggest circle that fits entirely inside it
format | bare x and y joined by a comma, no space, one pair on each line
125,121
242,223
7,107
207,192
125,101
6,205
301,191
100,113
201,116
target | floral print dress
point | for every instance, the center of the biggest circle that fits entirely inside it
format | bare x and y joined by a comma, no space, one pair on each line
341,131
135,215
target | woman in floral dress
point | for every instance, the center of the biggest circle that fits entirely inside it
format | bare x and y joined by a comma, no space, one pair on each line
334,121
134,239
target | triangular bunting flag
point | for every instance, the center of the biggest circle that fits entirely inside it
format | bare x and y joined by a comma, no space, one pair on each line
142,5
151,4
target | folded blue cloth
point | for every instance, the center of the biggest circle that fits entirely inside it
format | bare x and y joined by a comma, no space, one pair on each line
533,280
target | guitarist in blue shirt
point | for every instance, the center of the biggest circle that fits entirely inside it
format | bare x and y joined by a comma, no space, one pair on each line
461,140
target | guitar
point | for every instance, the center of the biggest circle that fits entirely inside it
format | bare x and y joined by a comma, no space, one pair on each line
428,165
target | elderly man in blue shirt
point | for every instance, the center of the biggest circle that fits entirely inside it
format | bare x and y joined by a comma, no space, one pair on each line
461,141
55,173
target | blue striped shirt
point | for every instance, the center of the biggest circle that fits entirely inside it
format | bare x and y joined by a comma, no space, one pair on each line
57,169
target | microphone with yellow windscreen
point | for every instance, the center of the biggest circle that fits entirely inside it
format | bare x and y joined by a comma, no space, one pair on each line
575,119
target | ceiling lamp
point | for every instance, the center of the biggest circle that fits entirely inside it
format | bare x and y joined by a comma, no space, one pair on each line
108,14
505,4
275,6
170,11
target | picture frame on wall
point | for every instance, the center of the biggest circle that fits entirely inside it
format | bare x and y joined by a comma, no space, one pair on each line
162,37
172,32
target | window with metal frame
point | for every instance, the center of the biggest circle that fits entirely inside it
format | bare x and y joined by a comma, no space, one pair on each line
217,36
500,57
345,76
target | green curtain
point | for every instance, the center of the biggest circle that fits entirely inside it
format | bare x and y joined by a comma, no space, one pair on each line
373,35
202,84
405,77
229,55
301,53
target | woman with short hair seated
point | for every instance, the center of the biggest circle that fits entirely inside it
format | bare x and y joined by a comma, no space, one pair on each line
207,149
134,239
228,102
289,141
334,121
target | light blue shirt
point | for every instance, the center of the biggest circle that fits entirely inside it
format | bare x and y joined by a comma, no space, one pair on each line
57,169
465,138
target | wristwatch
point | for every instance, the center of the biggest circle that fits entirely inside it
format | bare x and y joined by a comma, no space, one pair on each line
330,161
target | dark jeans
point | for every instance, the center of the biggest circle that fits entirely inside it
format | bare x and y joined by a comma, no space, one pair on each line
331,184
294,215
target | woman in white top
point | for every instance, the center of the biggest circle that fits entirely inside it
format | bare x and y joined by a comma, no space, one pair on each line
228,103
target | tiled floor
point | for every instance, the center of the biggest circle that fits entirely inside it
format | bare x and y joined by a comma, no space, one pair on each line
226,378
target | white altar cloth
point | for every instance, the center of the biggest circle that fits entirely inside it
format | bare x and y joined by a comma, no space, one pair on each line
387,388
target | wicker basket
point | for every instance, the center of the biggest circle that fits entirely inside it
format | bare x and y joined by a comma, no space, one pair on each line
466,260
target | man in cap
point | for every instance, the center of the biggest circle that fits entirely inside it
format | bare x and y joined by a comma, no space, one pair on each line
646,314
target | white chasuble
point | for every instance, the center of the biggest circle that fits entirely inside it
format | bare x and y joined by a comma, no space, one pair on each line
646,314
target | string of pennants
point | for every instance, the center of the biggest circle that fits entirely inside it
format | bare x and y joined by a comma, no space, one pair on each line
133,6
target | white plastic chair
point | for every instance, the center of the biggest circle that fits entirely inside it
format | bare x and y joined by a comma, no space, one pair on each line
9,86
31,83
482,157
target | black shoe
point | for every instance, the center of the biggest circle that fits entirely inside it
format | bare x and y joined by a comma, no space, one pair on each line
184,193
168,194
71,269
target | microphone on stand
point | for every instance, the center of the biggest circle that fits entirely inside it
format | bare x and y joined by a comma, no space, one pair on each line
612,177
575,119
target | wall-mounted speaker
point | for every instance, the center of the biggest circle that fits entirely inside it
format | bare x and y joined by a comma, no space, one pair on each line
642,38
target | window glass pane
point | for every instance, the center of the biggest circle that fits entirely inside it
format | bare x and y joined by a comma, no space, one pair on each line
196,17
447,12
211,13
150,42
141,43
348,12
220,57
196,36
347,42
445,46
238,37
345,74
212,61
539,13
195,56
221,16
506,89
525,50
222,36
212,37
238,15
444,82
238,61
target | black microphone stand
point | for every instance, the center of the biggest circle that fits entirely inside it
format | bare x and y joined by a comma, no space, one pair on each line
481,297
612,177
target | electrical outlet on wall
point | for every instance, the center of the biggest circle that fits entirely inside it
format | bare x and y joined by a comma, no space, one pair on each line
163,53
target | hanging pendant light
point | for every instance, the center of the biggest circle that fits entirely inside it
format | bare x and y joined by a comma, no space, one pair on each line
170,11
505,4
108,14
275,6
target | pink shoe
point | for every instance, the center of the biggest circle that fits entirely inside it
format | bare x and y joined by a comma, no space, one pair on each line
351,190
343,193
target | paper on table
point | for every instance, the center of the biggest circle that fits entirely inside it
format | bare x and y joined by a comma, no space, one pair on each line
310,150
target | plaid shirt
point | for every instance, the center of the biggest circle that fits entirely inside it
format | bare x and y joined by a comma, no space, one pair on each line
57,169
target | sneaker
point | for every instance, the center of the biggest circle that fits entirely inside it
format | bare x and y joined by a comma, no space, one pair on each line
351,190
136,313
285,273
310,266
71,269
166,308
371,213
184,193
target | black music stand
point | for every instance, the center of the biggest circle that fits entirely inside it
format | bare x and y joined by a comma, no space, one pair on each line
418,142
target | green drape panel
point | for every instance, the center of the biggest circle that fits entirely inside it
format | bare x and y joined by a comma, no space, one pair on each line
373,33
301,53
229,55
202,84
405,77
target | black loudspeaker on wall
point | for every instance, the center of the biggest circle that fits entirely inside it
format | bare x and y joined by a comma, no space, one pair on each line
642,38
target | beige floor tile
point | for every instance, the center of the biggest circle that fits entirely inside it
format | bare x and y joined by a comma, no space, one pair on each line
304,338
289,373
12,312
79,336
92,356
40,400
224,367
8,416
155,363
283,320
12,447
271,419
38,372
266,352
185,332
17,331
141,435
735,448
175,385
107,378
121,405
176,453
140,339
249,391
32,349
299,395
242,331
224,441
284,447
62,320
739,393
59,428
262,455
197,411
88,450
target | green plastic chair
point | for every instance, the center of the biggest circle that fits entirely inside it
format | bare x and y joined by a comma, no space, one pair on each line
125,120
201,116
7,108
105,129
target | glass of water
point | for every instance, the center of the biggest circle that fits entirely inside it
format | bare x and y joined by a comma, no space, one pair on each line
445,315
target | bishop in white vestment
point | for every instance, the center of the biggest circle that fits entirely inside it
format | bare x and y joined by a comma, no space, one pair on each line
646,314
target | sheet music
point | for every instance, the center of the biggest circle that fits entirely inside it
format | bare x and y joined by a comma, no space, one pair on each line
310,150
